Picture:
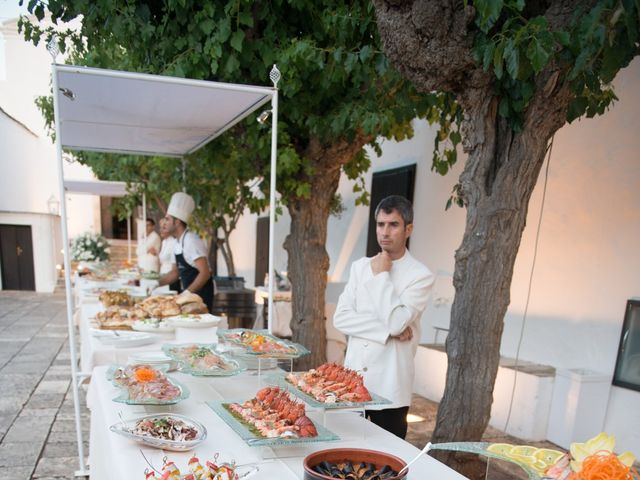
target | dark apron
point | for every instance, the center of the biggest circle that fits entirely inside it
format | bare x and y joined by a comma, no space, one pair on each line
188,274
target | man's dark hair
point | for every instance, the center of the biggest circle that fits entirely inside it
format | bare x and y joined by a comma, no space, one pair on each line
398,203
176,219
151,221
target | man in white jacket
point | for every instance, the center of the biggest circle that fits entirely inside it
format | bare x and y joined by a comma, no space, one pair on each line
380,311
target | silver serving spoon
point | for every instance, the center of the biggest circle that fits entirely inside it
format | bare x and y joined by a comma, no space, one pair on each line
426,448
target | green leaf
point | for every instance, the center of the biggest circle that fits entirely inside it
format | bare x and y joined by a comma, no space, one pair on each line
562,37
512,58
576,109
488,11
497,60
503,108
487,56
236,40
537,55
245,18
207,25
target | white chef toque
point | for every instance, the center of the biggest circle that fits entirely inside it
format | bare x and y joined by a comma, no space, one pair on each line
181,206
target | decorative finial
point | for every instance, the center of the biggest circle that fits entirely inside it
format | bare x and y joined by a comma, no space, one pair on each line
275,76
53,48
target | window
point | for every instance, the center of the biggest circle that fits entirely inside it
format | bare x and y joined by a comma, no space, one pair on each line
627,372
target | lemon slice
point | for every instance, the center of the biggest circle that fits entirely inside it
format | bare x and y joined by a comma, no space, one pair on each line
523,450
548,456
500,448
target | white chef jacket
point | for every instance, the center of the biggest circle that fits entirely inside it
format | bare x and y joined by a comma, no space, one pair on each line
373,308
166,256
147,261
194,247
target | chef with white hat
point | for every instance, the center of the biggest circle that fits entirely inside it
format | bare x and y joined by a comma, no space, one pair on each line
192,265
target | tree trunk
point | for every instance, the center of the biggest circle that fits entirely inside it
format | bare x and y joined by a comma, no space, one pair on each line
497,182
308,262
431,44
308,266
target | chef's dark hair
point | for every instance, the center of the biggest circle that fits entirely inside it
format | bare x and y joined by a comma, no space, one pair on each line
151,221
398,203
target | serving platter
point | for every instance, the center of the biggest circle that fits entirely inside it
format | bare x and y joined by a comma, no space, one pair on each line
190,358
253,439
204,320
153,325
257,342
122,378
127,429
280,380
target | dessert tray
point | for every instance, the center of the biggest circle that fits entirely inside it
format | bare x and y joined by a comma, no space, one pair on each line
167,431
202,359
260,343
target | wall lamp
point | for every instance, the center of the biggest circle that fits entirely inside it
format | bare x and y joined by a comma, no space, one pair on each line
263,116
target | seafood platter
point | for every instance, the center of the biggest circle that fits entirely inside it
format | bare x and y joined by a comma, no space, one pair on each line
261,343
329,386
211,471
145,385
352,464
157,306
271,418
201,359
167,431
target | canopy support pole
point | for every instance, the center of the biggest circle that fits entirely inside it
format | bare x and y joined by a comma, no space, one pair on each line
275,76
129,238
82,471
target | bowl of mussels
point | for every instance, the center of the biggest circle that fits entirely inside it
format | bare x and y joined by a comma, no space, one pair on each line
352,464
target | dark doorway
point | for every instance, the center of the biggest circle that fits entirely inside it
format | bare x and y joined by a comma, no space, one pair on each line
16,252
262,250
398,181
111,225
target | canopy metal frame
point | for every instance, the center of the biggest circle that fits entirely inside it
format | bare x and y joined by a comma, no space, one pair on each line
61,93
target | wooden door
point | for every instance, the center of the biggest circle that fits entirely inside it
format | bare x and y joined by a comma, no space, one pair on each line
16,252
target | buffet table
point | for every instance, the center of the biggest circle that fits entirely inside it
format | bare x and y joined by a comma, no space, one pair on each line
113,456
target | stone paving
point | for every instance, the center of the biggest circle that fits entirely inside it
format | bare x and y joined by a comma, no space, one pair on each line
37,428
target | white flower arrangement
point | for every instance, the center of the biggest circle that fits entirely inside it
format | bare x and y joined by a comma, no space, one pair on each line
90,247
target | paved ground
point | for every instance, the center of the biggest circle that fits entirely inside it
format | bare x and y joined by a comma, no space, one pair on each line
37,430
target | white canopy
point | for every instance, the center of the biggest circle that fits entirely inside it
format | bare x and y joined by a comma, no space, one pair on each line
125,112
96,187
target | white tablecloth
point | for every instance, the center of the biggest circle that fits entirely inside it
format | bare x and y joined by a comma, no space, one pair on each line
112,456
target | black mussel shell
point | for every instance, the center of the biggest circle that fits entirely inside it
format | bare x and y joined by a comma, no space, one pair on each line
348,467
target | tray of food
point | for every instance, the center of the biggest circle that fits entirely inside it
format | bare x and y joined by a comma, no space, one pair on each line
167,431
271,418
329,386
116,297
146,385
261,343
201,359
153,325
203,320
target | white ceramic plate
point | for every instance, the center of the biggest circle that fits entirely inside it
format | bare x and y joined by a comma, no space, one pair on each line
195,321
152,327
133,339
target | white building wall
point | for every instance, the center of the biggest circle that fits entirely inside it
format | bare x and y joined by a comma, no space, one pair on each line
28,165
587,265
